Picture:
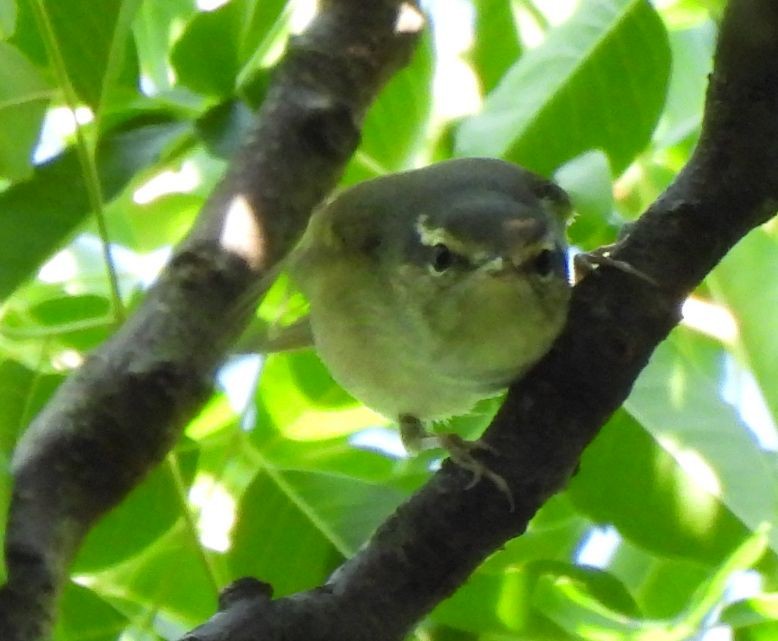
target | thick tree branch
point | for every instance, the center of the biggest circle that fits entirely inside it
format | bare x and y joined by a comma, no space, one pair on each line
433,542
117,416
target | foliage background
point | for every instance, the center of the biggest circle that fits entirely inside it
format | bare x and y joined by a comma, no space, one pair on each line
116,118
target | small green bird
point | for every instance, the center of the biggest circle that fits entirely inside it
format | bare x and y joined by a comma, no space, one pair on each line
432,289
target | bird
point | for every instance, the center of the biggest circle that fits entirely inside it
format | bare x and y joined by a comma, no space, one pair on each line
433,288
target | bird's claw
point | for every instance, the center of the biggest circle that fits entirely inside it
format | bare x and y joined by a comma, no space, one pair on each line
461,453
586,263
415,439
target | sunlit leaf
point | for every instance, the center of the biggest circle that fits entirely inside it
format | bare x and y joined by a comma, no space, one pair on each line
155,28
752,611
494,22
582,89
673,515
302,399
24,94
692,59
682,409
747,284
580,610
7,18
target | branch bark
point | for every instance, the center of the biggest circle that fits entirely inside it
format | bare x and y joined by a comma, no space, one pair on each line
120,413
423,552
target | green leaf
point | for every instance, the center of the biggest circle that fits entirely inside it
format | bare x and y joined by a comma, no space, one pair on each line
767,631
7,18
666,585
150,510
601,585
154,29
494,22
753,611
89,36
497,606
571,605
87,616
47,209
224,127
743,558
170,580
586,87
396,124
66,319
506,595
746,283
554,533
23,392
335,456
681,407
577,608
298,395
307,522
24,94
217,44
587,180
159,223
692,61
627,480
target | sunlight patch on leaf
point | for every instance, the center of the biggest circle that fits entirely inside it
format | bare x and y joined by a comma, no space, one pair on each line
59,125
216,512
710,319
215,416
314,425
697,419
210,5
181,181
694,465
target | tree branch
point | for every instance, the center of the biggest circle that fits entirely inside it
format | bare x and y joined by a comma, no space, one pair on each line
118,415
432,543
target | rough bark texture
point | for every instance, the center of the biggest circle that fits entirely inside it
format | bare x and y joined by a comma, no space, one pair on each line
120,413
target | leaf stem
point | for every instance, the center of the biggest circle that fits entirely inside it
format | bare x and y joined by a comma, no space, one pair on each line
190,523
86,155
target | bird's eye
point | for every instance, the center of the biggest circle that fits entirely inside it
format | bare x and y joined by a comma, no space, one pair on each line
442,257
543,264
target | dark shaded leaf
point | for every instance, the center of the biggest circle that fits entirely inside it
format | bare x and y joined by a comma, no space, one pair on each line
48,208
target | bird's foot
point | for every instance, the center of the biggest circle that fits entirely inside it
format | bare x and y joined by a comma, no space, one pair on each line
415,439
461,453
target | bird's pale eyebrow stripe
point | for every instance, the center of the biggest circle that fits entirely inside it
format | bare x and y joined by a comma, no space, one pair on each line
430,236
